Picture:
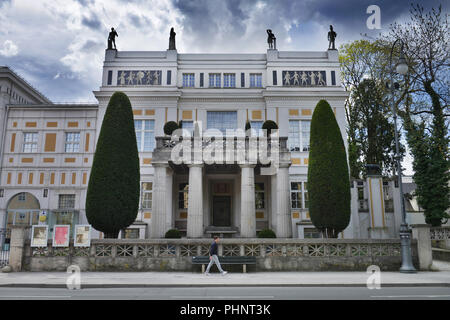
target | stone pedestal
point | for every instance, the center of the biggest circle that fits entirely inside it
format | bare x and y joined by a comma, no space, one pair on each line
283,213
421,232
159,206
18,234
195,202
376,207
248,217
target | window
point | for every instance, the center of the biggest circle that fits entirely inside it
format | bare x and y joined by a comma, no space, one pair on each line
145,135
229,80
110,77
72,142
147,188
214,80
188,80
183,193
64,217
299,135
222,120
66,201
30,140
21,196
360,193
259,196
256,80
188,125
312,233
299,195
257,128
131,233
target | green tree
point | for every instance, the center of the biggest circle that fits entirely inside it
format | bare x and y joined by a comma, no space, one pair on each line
112,199
425,112
370,130
328,176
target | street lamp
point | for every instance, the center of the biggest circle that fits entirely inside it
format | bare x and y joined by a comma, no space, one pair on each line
405,236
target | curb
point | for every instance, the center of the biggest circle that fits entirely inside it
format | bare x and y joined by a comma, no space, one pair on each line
105,286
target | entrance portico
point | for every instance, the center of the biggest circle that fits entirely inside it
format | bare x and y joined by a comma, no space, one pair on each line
220,197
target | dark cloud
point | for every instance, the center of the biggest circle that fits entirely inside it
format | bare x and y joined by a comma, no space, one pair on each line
91,45
139,21
40,73
93,22
207,20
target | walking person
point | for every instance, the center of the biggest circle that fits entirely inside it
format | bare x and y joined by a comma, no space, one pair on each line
213,258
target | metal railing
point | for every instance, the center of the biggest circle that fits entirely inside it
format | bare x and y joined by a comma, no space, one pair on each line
4,247
440,233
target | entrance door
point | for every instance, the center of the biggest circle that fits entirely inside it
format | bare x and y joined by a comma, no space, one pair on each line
222,211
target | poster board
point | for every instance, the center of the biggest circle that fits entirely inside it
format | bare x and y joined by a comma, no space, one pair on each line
39,236
82,235
61,235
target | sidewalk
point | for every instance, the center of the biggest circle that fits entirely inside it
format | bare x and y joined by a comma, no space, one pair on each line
254,279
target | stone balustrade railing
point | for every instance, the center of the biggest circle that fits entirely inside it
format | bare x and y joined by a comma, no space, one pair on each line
227,247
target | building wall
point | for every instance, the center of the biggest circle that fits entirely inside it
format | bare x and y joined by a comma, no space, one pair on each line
170,101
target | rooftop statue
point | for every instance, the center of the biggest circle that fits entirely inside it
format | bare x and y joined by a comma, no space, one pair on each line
331,37
112,39
271,40
172,40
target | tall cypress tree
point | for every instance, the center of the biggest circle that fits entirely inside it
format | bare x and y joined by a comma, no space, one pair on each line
328,176
112,199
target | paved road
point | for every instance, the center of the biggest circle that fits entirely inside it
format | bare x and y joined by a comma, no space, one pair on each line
230,293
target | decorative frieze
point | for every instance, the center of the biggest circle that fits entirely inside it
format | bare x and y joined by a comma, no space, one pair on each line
139,77
304,78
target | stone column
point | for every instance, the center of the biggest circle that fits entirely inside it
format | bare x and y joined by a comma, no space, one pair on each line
16,247
159,205
248,217
195,202
169,200
421,232
273,204
283,214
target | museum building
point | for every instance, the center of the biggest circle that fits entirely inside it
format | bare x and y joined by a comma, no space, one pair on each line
47,148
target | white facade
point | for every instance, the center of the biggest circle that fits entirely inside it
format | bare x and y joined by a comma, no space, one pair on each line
200,200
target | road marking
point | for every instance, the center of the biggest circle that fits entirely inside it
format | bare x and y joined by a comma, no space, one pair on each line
414,296
46,297
223,297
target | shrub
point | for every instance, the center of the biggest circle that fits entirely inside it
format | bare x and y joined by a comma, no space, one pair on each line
266,233
170,127
112,198
328,176
173,234
269,125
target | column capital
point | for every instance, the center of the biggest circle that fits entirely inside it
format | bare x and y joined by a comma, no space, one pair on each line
160,164
284,165
195,165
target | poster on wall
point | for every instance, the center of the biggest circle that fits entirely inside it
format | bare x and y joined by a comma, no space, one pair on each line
61,235
39,236
82,235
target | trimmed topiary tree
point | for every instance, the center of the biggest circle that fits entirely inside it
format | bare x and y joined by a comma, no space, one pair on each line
328,176
112,199
173,234
247,125
269,125
266,233
170,127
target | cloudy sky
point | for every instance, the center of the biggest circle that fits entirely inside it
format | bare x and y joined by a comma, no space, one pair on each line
58,45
